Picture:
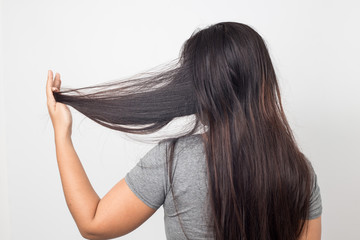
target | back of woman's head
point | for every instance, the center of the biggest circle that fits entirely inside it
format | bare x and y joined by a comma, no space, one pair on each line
259,181
230,69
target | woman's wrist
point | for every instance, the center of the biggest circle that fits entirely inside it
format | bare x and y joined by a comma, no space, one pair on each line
62,136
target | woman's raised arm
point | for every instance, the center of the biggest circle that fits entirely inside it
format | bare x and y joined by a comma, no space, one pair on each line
119,212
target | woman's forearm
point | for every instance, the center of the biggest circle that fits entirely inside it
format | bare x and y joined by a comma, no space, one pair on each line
80,196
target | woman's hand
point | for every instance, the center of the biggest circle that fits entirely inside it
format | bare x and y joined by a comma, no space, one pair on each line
59,113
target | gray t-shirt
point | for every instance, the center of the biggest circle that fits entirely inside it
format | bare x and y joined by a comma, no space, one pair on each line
150,183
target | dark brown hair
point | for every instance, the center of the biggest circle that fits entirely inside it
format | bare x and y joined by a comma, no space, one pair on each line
259,181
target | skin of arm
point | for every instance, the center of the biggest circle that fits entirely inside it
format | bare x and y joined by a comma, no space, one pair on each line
313,231
119,212
116,214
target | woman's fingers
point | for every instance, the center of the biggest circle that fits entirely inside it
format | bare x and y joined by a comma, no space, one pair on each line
57,82
49,85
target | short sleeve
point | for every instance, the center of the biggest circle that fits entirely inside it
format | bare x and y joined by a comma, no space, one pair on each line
315,199
147,180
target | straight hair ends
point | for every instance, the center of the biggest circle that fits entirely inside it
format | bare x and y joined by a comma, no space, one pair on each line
259,181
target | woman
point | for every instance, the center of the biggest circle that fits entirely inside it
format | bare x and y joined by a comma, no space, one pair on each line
243,177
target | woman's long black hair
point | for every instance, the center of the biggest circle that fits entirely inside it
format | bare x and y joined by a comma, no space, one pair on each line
259,181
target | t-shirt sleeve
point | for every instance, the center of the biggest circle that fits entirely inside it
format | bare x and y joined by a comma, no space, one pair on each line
147,179
315,199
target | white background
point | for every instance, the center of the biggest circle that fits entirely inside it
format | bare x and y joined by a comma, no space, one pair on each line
314,46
